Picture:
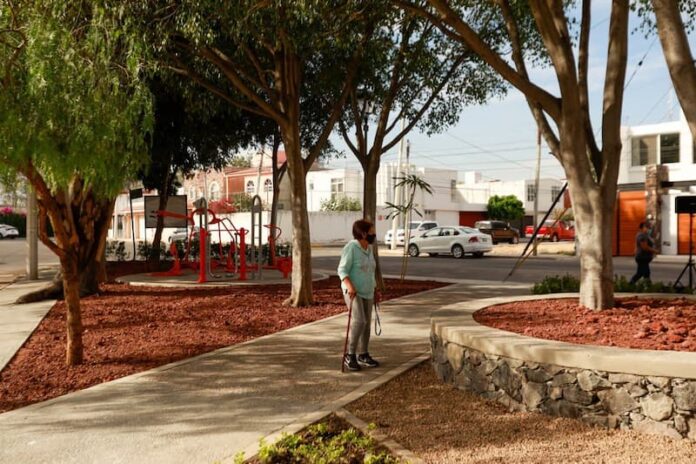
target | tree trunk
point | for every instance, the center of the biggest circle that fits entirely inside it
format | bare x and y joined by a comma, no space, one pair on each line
675,45
71,284
594,215
154,257
277,173
301,292
370,208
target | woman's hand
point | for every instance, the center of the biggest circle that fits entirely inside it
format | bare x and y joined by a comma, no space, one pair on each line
349,287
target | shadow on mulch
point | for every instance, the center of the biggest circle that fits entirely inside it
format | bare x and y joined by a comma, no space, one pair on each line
129,330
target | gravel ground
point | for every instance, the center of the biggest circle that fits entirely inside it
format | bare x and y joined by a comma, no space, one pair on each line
444,425
640,323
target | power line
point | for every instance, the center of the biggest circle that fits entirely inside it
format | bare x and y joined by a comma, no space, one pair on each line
640,62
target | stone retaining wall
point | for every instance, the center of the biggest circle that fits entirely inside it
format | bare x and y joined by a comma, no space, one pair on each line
657,405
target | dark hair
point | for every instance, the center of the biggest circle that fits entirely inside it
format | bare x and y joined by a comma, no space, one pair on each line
642,224
361,228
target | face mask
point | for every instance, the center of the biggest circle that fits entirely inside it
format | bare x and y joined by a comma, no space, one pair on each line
371,238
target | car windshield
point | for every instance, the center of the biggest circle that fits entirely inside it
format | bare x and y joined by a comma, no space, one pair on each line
413,225
549,223
468,230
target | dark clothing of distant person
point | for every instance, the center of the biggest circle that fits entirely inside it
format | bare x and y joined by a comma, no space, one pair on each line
643,256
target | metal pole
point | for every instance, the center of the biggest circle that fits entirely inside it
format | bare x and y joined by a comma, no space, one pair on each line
132,221
397,191
536,189
32,236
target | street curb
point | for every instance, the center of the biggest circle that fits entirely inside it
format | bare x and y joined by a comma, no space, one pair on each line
334,406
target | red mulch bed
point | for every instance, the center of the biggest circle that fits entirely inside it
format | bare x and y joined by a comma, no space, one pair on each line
132,329
642,323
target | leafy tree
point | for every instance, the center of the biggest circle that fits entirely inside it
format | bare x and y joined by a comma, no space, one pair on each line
281,60
564,120
193,130
73,118
341,204
505,208
240,161
673,36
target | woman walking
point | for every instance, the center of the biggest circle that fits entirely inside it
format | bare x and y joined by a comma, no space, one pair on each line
357,273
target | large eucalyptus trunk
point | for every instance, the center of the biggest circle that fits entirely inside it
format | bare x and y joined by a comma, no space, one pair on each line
301,289
370,170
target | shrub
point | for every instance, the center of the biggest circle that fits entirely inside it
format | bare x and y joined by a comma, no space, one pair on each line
326,442
570,284
15,219
341,204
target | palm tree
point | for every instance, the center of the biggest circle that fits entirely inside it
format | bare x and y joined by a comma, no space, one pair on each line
412,183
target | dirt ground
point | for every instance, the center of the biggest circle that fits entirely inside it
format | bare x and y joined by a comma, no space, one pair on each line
133,329
643,323
444,425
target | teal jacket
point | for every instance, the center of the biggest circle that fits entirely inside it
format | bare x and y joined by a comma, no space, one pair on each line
358,264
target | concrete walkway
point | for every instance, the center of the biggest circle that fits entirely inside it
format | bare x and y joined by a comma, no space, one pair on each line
208,408
17,322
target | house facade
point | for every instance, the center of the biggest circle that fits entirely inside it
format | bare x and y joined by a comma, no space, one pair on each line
658,164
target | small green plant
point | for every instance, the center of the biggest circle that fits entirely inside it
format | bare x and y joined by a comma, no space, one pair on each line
327,442
557,284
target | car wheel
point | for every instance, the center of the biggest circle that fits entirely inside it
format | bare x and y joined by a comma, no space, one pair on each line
515,240
457,251
432,254
413,250
478,254
554,238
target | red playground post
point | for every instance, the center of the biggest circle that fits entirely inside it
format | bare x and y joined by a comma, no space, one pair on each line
242,254
203,253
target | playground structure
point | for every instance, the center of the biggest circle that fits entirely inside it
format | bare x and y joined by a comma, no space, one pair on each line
242,261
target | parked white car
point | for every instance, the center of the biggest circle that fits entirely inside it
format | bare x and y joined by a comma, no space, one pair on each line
416,229
454,240
8,231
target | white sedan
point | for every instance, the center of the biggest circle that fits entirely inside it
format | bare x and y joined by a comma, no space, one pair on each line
8,231
457,240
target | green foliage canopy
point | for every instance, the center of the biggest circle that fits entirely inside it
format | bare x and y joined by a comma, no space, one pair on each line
505,207
73,103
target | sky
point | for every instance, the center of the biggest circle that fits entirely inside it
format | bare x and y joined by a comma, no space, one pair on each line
499,138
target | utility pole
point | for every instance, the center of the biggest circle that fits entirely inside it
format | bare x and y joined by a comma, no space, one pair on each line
32,236
398,191
536,190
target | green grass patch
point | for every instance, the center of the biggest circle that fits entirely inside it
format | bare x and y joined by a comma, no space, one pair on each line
571,284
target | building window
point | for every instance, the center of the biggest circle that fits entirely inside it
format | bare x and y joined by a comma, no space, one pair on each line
336,188
214,191
555,190
531,192
643,150
268,185
453,189
669,148
250,189
192,194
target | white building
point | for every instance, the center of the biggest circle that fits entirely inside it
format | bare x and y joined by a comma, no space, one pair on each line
658,164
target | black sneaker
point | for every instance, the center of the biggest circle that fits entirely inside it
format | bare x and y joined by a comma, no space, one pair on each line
351,362
367,361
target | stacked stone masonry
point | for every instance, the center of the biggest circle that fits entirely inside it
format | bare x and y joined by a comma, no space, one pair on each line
654,405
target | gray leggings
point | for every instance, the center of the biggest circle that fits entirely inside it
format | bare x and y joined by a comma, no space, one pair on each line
360,324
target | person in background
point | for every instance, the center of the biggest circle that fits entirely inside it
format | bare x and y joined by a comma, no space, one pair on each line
357,273
645,252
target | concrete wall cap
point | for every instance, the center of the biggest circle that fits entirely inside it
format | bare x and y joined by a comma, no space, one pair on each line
455,324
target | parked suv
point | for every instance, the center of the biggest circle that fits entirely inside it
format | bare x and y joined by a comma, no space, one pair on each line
500,231
416,230
554,231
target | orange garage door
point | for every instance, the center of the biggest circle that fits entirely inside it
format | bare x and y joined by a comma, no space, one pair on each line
683,234
469,218
630,212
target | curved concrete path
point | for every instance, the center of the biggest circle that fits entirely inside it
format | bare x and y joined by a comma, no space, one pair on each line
210,407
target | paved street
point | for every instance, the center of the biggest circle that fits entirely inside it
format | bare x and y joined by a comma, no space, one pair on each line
496,268
13,258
